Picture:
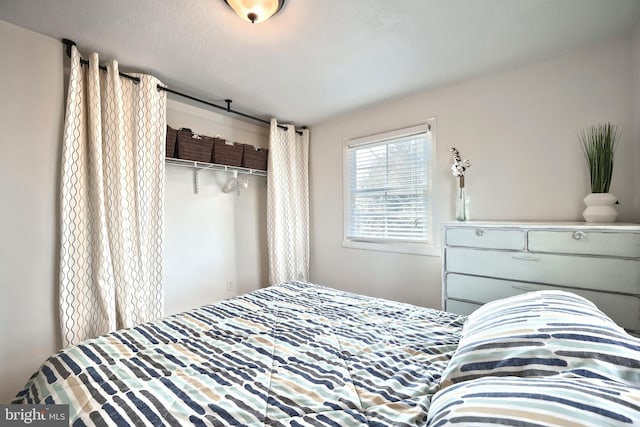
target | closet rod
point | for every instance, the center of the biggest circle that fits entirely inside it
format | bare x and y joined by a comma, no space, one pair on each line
68,43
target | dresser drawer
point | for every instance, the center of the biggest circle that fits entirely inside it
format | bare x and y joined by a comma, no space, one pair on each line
623,309
585,242
606,274
460,307
485,238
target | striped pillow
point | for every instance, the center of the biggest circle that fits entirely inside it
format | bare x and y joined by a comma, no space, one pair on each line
550,401
541,334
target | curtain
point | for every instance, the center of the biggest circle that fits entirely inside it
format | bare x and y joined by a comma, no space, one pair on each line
288,204
111,201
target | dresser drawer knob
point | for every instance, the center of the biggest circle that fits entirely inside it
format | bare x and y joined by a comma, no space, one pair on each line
579,235
479,232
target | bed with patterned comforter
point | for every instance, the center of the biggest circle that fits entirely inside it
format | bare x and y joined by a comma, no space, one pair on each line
299,354
291,354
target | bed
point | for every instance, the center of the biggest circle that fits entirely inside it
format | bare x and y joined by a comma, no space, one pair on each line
300,354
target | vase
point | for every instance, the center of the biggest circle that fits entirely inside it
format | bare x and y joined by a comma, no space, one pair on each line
461,201
600,207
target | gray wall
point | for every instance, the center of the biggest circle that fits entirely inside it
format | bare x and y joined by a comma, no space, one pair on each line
31,115
519,129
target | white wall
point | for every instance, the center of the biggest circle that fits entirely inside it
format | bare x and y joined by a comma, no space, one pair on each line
210,237
31,114
213,237
519,129
635,47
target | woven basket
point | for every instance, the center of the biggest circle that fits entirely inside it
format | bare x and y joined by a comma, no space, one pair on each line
194,147
254,157
172,135
227,153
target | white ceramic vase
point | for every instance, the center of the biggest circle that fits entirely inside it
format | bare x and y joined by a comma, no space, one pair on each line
600,207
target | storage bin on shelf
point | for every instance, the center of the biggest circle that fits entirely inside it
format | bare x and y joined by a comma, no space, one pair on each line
254,157
191,146
227,152
172,135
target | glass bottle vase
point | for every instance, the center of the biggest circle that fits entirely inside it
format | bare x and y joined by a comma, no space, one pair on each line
461,201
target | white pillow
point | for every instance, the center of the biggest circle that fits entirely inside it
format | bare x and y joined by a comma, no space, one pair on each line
541,334
544,401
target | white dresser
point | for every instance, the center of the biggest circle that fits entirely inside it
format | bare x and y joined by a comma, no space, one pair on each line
484,261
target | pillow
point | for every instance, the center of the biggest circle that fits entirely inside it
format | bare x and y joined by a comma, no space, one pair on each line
548,401
541,334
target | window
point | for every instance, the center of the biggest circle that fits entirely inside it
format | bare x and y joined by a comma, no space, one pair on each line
388,197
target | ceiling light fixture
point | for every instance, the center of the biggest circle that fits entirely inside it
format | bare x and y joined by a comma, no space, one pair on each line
255,11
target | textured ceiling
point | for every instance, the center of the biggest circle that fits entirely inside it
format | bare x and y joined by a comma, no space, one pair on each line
319,58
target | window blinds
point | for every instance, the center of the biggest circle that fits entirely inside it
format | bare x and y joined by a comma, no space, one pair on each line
389,194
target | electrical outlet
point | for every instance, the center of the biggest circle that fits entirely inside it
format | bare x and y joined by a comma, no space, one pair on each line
229,285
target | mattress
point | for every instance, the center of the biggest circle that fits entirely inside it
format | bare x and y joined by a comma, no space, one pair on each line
291,354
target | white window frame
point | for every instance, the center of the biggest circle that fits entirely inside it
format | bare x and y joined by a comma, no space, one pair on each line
432,247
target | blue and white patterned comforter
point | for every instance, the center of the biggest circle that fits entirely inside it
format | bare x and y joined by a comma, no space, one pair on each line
292,354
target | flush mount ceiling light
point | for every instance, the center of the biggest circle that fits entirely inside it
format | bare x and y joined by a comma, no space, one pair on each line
255,10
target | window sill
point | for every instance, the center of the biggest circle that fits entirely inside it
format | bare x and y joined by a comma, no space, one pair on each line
395,247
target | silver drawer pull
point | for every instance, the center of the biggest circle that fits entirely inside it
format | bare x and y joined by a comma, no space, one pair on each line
579,235
525,257
479,232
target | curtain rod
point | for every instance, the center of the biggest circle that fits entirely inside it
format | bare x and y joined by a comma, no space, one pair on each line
68,43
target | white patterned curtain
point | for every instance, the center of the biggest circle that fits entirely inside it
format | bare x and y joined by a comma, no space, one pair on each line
111,200
288,204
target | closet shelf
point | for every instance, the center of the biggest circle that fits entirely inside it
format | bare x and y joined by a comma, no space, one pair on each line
214,166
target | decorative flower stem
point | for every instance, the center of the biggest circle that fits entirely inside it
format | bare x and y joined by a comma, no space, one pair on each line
458,168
